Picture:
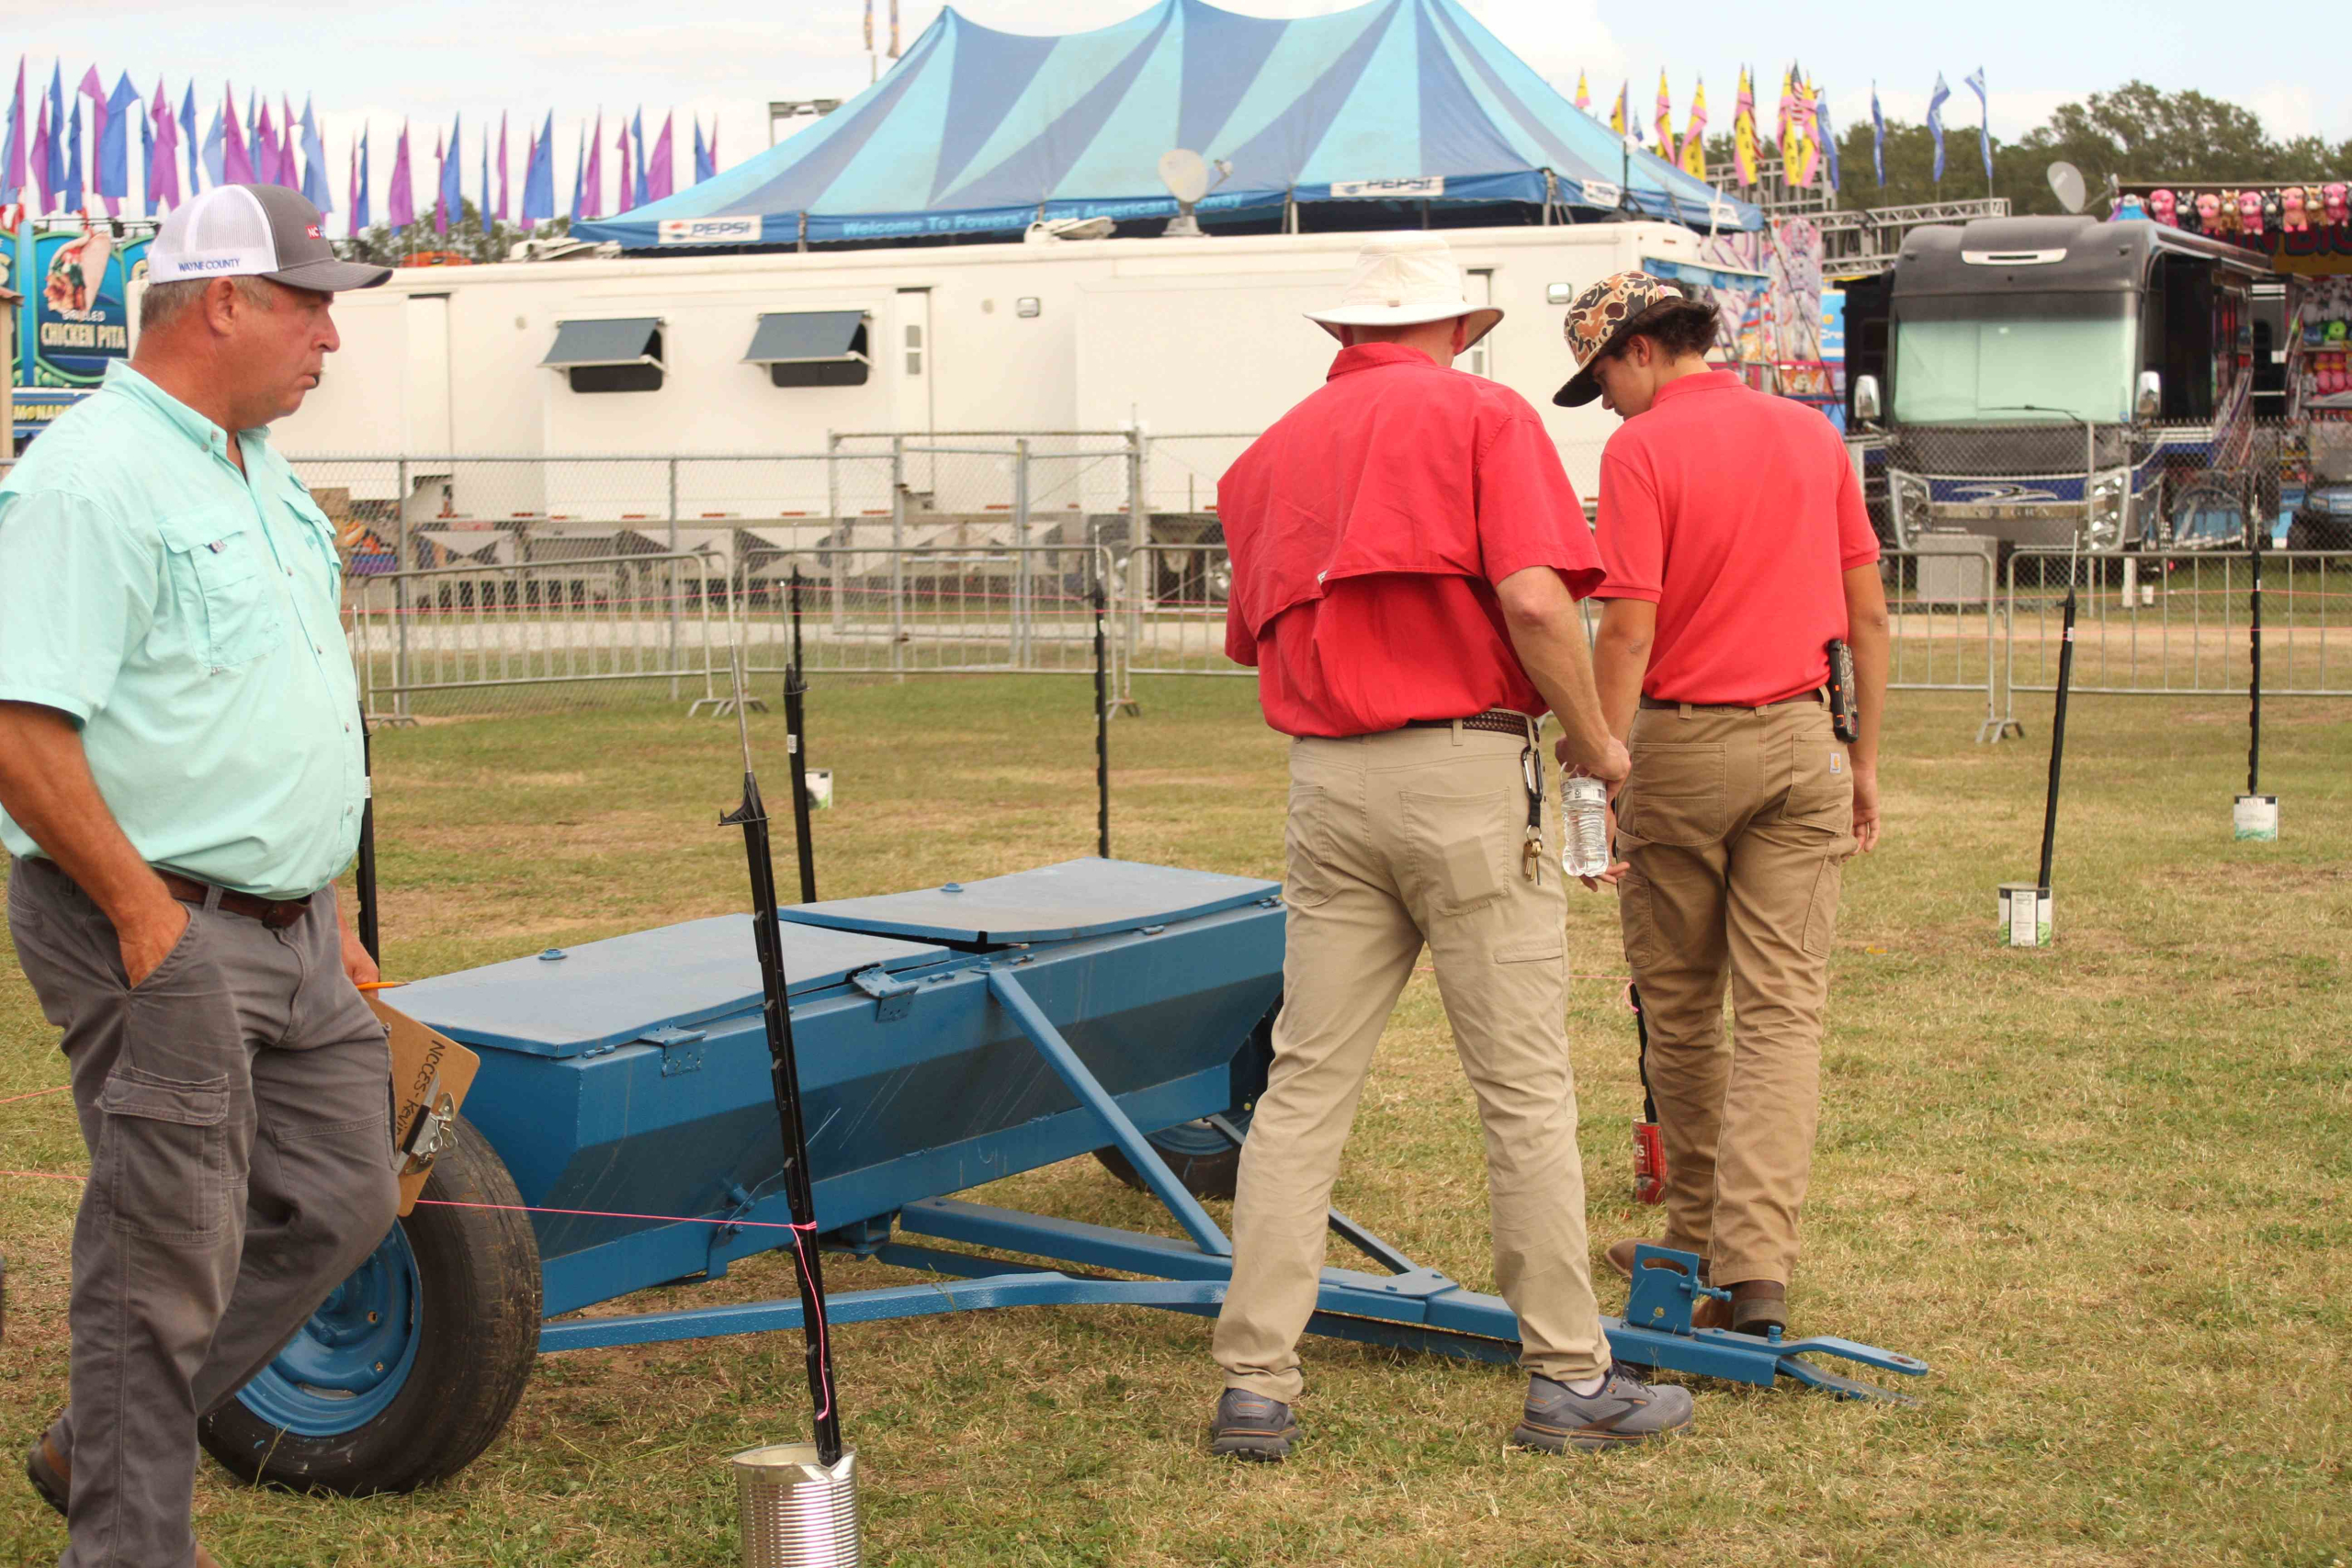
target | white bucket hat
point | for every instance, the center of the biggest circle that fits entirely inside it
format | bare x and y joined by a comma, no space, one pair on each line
1402,280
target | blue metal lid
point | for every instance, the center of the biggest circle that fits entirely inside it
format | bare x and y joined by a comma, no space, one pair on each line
1053,903
606,993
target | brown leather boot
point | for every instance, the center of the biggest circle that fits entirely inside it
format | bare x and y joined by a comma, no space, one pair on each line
51,1473
1756,1306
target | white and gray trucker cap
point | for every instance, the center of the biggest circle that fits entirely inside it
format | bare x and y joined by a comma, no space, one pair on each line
253,232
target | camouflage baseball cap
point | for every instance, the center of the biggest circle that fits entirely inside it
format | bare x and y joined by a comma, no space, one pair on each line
1597,320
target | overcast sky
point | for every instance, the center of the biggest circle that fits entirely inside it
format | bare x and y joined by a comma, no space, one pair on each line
428,59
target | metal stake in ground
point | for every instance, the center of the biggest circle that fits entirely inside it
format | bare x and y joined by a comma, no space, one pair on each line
796,727
2255,814
365,876
783,1075
1101,722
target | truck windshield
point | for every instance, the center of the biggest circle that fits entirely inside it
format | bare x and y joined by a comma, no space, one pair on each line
1977,372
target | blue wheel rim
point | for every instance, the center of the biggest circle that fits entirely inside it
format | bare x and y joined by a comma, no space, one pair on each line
348,1362
1197,1140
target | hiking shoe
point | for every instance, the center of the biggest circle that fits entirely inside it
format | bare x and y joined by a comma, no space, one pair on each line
1625,1411
1252,1426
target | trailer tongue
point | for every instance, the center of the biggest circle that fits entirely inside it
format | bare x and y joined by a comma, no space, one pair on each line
945,1037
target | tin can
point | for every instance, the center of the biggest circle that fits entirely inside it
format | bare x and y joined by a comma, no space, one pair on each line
2256,816
795,1511
2025,914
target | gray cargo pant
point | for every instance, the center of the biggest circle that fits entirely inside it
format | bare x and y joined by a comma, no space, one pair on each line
236,1107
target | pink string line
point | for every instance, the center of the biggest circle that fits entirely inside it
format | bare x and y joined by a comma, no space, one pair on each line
36,1094
800,1235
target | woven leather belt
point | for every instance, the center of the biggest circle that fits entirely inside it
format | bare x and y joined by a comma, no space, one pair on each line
275,913
1499,721
1655,704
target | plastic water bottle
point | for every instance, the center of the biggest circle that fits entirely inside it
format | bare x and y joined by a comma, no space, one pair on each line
1584,826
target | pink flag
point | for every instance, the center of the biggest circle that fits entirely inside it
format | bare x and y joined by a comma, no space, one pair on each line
440,185
502,165
163,177
592,187
96,90
658,170
621,147
40,153
236,163
289,173
400,202
264,153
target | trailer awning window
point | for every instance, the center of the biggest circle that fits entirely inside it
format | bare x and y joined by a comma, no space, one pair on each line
811,348
616,356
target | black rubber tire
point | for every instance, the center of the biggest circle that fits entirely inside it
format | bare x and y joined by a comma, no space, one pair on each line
1203,1158
477,1271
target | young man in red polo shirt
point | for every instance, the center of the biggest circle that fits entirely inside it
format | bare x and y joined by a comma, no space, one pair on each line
1407,557
1737,545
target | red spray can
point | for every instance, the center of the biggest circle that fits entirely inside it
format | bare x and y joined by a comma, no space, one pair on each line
1649,1149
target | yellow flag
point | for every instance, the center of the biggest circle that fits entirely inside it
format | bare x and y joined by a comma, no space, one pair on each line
1584,93
1665,118
1743,130
1617,115
1694,140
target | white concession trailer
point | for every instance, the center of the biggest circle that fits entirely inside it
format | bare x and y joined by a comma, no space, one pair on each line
766,354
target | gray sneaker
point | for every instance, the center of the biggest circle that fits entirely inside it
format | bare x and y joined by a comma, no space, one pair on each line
1252,1426
1624,1412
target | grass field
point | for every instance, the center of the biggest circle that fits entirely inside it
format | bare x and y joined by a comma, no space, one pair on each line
2106,1189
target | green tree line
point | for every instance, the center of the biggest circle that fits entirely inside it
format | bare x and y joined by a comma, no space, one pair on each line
2136,134
468,237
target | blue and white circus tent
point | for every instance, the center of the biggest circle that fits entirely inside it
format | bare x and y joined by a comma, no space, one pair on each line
975,132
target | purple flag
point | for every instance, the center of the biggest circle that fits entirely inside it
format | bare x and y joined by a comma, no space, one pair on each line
658,169
264,150
400,203
163,165
595,181
40,154
12,158
621,202
112,165
289,173
96,90
440,185
237,162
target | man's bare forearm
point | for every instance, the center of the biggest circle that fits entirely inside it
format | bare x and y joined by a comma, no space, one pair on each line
45,786
1551,649
1621,657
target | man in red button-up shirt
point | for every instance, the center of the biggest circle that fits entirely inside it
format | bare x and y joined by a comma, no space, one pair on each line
1406,558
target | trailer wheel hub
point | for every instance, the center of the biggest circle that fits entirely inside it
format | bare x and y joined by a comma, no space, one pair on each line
349,1361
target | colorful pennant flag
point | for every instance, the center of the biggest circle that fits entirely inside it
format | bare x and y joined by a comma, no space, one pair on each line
595,197
703,170
869,26
1665,118
237,162
38,161
1617,116
502,170
264,150
1743,131
622,184
449,202
1825,135
637,131
162,176
579,172
12,155
1584,93
539,177
113,162
317,185
147,155
1694,138
894,29
73,198
664,164
54,190
400,202
1808,159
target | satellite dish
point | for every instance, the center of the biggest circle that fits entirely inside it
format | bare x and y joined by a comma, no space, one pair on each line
2066,184
1184,173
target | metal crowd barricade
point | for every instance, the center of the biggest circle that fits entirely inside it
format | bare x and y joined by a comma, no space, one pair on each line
944,608
2178,626
1941,602
491,625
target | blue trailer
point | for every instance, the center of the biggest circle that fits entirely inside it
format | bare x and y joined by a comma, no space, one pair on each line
621,1135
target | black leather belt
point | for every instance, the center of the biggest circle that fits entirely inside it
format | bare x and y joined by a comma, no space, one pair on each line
1498,721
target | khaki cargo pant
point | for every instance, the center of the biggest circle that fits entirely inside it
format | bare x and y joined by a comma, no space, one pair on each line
1736,824
1394,839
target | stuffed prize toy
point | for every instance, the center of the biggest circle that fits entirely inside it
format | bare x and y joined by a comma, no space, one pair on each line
2250,213
2208,213
2293,216
2273,210
2163,207
2332,202
2128,210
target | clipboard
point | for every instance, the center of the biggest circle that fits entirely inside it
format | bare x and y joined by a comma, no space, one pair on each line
431,1074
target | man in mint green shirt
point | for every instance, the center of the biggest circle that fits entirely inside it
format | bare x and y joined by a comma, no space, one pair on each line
180,783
